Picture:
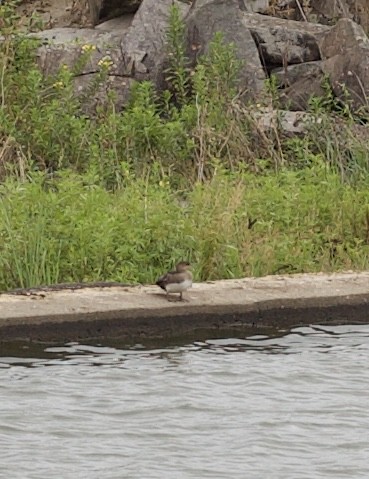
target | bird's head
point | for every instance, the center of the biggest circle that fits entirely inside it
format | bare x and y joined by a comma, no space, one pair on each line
183,266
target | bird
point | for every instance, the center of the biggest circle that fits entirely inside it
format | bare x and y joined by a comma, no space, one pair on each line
176,281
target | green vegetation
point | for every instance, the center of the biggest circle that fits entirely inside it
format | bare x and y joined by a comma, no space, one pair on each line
186,173
70,229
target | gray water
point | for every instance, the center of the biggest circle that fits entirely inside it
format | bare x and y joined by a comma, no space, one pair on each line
293,406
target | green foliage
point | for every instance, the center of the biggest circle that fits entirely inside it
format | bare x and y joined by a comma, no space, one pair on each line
186,173
271,88
221,68
200,122
67,228
8,18
177,74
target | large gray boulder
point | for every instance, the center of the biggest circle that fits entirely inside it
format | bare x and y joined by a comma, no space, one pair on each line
289,123
144,48
290,74
345,49
284,42
133,47
299,95
207,17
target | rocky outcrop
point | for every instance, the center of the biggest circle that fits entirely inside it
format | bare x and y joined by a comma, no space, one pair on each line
254,6
127,50
299,83
290,50
302,55
298,96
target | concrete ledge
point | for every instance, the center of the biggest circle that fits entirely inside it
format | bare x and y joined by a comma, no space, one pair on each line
142,312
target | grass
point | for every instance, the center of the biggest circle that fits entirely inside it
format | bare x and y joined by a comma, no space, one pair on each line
69,229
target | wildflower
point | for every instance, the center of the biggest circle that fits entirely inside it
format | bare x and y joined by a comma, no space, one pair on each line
87,48
163,183
58,85
105,62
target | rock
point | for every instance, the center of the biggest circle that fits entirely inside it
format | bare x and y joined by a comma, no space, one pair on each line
286,9
344,36
119,24
292,73
284,42
207,17
297,96
132,49
144,46
51,13
325,12
64,36
255,6
298,83
329,11
359,9
290,123
64,46
345,49
121,86
106,9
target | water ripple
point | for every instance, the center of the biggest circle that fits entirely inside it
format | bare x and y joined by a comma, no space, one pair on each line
292,406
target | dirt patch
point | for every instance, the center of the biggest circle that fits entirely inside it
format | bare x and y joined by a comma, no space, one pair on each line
46,14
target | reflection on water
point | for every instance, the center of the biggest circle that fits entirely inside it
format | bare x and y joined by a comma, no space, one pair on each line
292,406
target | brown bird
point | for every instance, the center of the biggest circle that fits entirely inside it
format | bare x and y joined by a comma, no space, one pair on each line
176,281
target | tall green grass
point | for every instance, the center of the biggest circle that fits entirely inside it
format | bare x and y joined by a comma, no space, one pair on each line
69,229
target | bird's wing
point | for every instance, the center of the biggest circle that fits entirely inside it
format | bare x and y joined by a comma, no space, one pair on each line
174,277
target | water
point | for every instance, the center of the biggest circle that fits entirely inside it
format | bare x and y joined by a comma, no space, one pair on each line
288,407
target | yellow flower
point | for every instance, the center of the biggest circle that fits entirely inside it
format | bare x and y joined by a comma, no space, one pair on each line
58,84
87,48
105,62
163,183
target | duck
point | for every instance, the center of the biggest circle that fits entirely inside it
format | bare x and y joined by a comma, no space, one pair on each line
176,281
